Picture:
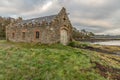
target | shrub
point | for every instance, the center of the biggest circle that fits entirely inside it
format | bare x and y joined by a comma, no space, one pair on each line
78,44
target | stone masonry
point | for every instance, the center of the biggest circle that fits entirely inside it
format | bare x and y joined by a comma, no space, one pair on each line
46,30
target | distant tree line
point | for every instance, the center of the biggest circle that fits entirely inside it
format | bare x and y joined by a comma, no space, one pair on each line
4,21
82,34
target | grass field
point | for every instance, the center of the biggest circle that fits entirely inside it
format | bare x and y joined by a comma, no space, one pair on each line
22,61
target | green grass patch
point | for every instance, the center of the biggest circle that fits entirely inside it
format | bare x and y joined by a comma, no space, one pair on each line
23,61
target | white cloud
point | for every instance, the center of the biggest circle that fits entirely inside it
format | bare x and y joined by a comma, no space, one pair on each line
46,6
112,31
93,3
99,16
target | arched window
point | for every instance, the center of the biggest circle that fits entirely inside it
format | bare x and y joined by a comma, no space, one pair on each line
13,35
37,34
23,35
64,19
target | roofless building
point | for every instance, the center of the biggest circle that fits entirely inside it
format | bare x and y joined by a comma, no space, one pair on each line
46,30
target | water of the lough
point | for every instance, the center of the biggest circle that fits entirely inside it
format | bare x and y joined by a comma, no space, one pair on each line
112,43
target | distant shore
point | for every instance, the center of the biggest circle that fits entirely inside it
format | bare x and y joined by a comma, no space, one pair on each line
96,40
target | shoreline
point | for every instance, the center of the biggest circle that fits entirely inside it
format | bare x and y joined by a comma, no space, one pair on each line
104,49
98,40
107,49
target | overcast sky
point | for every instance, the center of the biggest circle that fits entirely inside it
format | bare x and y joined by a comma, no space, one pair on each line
98,16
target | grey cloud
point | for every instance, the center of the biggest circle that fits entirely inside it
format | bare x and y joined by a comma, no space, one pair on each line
98,16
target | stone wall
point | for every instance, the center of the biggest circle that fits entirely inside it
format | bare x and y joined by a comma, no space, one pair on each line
49,32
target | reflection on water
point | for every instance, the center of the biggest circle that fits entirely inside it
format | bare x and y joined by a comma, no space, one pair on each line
115,43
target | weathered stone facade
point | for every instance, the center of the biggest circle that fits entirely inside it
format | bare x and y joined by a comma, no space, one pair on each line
47,30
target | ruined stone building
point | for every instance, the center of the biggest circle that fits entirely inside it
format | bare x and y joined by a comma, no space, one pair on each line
47,30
